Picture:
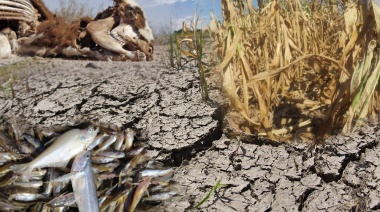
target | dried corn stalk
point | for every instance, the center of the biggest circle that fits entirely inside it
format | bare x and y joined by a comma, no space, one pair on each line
292,62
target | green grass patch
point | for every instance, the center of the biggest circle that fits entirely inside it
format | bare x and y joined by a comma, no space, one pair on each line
212,191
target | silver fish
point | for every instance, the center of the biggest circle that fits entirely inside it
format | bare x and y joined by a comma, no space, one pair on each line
120,192
106,144
112,154
98,139
60,152
107,167
6,157
129,137
27,197
31,184
8,144
62,200
5,206
119,142
139,193
102,159
157,173
5,169
157,198
83,183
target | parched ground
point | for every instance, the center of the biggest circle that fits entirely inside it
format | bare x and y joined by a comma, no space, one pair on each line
183,131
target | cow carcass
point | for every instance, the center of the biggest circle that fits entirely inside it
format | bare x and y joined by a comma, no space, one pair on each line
121,32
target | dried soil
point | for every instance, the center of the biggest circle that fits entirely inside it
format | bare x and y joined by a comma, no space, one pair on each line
183,131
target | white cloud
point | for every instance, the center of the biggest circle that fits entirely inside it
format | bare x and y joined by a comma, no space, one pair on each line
177,23
161,2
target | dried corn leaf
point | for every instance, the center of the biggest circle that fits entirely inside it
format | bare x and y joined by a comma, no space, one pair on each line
351,17
230,88
231,51
266,53
363,85
376,12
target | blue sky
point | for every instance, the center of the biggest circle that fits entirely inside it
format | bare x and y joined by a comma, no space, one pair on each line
160,11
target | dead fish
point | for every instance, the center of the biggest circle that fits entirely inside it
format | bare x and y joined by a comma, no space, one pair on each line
157,173
7,180
6,157
108,167
35,175
98,139
102,159
49,186
119,142
83,183
25,147
30,184
8,144
127,169
63,200
9,207
112,154
39,207
27,197
60,152
136,151
139,192
158,198
121,191
5,169
129,137
105,176
34,141
106,144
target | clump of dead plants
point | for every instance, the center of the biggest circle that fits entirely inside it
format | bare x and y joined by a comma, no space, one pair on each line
299,69
186,46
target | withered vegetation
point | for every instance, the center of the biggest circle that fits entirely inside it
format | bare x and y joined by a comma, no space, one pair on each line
297,70
72,10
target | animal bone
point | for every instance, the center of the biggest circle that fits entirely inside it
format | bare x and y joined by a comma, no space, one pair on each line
132,13
100,33
126,35
5,47
12,38
131,33
20,10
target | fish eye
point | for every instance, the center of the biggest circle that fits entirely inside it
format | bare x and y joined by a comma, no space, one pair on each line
89,130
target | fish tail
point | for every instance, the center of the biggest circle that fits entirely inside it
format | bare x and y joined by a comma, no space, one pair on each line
24,169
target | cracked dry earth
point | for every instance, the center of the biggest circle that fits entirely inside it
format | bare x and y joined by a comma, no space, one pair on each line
184,132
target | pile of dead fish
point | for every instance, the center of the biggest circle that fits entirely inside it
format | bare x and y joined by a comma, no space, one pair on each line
89,169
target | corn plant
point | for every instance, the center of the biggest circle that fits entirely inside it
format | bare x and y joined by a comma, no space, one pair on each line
188,45
171,51
298,67
191,45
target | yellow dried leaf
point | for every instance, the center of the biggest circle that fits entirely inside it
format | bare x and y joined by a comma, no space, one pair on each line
214,25
350,17
363,84
376,12
230,52
230,88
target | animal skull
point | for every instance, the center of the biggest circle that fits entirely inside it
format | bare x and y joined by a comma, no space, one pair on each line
125,32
